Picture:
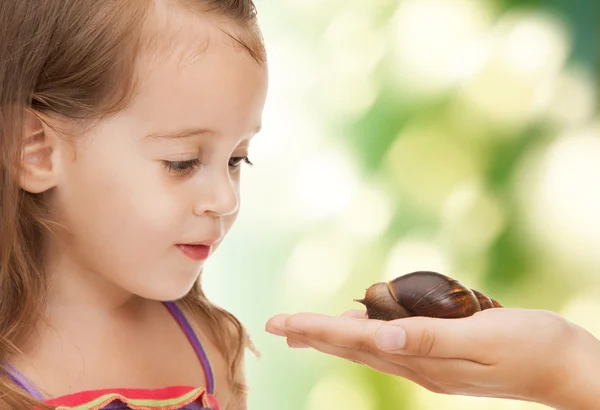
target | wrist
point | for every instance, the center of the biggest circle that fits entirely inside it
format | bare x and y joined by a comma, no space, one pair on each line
577,384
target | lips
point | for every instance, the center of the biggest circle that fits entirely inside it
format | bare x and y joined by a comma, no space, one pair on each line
195,252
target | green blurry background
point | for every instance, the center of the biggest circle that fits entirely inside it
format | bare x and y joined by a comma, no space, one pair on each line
460,136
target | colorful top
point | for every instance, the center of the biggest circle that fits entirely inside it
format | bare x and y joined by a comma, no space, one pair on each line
169,398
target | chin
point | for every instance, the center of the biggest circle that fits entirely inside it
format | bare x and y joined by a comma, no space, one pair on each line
172,288
164,295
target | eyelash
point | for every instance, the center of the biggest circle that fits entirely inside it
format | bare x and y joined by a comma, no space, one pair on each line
189,166
182,167
240,160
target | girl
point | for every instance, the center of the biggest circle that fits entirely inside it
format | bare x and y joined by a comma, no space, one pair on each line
123,127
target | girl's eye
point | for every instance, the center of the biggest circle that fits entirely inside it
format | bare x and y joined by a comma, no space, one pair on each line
235,162
182,167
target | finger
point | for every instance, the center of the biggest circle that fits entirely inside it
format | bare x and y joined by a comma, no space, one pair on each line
356,313
296,344
446,371
432,337
365,358
422,336
276,324
455,376
342,331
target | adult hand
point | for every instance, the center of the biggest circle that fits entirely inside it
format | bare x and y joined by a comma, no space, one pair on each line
521,354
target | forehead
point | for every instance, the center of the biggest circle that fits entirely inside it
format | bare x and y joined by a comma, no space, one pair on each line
172,29
192,73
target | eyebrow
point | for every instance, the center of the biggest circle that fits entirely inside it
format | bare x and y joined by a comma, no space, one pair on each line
187,133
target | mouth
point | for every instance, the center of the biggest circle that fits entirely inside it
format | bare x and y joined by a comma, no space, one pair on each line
196,252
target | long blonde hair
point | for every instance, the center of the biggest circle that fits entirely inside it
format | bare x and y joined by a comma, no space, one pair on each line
76,58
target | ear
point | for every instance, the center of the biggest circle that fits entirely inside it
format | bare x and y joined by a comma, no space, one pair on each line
38,170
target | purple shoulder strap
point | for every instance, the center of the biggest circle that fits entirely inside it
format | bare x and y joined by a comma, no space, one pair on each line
20,380
191,335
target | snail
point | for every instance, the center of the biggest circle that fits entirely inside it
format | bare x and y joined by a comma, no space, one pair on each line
423,293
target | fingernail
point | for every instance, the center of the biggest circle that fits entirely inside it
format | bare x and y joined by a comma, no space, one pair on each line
275,330
390,338
295,344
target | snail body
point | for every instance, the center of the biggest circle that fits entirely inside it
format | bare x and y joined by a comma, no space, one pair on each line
424,293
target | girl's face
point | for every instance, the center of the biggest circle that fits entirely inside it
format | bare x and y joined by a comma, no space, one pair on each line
144,188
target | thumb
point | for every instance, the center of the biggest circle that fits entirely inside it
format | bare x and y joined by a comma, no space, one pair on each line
423,336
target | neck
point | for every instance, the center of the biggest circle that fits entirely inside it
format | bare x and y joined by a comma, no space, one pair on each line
78,297
72,286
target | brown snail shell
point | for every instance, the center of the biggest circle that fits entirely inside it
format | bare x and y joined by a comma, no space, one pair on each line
423,293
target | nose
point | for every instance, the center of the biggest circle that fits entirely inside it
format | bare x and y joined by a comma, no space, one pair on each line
218,195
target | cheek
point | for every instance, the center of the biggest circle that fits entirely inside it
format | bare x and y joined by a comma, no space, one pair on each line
116,203
229,220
